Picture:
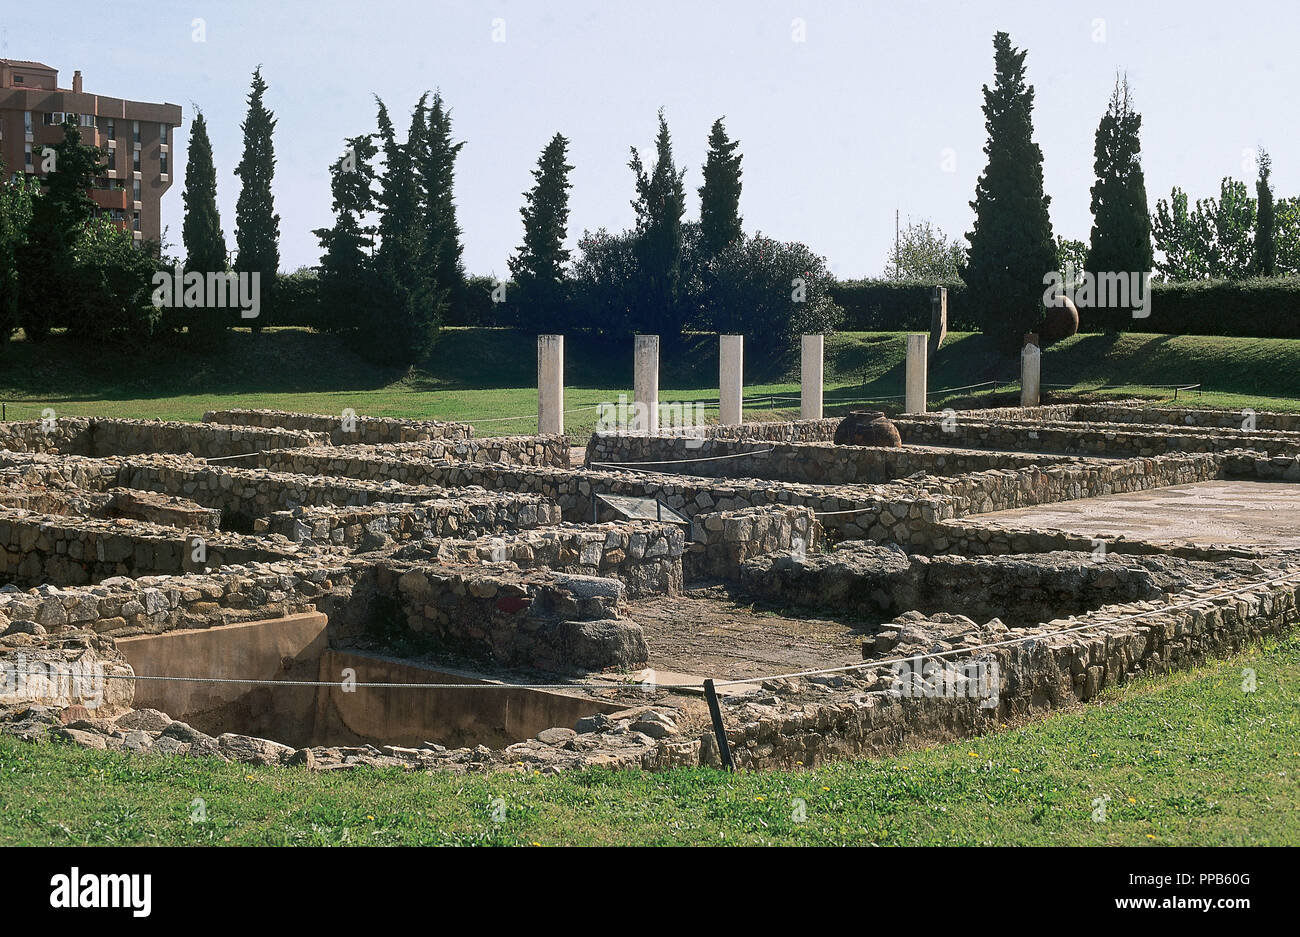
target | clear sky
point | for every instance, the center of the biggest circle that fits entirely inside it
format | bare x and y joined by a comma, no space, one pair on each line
877,109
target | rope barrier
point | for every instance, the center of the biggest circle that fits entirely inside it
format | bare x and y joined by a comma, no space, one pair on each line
866,665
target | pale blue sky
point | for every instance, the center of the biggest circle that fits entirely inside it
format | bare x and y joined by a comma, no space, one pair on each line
837,131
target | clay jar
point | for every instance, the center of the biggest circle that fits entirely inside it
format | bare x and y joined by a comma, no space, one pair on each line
867,428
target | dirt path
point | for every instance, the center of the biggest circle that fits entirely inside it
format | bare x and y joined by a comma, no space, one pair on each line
712,633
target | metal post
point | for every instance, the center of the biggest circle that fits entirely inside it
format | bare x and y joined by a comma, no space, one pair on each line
719,733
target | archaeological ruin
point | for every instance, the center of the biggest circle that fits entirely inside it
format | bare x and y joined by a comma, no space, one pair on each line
333,592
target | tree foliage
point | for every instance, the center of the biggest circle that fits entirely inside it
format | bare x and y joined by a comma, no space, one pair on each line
1011,245
924,252
257,226
720,221
660,205
538,268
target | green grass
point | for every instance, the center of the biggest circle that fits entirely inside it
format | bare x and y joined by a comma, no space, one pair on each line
488,376
1184,759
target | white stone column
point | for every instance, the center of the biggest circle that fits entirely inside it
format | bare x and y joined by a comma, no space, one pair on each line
1030,374
731,368
645,378
914,396
550,384
811,359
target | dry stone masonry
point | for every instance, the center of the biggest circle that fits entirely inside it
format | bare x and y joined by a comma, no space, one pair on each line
494,560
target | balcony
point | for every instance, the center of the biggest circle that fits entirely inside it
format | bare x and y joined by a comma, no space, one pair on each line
110,198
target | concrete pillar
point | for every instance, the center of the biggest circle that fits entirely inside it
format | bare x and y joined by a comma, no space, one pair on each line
550,384
731,367
1030,361
645,381
810,377
914,397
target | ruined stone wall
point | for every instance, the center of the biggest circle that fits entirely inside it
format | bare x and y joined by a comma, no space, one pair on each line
98,438
819,463
1137,412
722,541
77,551
775,431
645,556
121,607
979,538
519,450
1052,671
380,526
1261,467
370,430
544,620
1084,438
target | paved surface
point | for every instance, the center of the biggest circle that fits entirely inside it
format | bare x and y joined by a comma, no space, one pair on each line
1262,514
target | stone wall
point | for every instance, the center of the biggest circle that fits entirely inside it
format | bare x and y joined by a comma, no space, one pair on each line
38,548
1099,439
519,450
644,555
370,430
97,438
153,604
380,526
723,540
1136,412
979,538
544,620
818,463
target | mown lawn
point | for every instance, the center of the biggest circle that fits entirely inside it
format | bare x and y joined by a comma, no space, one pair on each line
488,376
1184,759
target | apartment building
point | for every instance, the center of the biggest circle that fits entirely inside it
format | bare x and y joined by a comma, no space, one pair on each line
136,136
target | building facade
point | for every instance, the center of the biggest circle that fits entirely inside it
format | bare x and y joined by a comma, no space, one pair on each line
136,138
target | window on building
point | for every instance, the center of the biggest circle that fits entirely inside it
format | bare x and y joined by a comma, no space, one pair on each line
135,221
87,120
27,156
18,79
119,215
135,162
112,130
162,133
162,162
135,131
27,121
135,190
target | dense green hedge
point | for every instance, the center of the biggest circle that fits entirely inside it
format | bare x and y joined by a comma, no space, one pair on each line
1244,308
895,305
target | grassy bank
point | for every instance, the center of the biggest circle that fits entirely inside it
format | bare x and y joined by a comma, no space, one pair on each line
488,376
1181,759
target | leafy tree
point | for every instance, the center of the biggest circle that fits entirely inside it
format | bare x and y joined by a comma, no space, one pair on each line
1071,258
47,261
720,194
346,285
538,268
1121,229
770,292
1264,261
205,243
605,283
1011,246
1287,219
257,226
1213,240
924,252
16,201
114,300
1176,239
660,204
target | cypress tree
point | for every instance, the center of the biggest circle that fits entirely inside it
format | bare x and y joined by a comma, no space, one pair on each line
257,226
1121,229
205,243
346,284
720,194
538,268
660,204
1264,261
1011,246
436,169
408,304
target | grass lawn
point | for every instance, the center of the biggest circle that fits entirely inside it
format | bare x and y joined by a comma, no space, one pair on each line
1181,759
488,376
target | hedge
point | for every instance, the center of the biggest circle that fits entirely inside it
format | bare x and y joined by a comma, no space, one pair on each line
1260,308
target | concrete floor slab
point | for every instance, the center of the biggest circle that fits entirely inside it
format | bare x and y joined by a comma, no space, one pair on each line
1265,514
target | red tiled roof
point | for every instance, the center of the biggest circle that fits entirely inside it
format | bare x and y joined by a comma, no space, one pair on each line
19,63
